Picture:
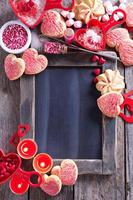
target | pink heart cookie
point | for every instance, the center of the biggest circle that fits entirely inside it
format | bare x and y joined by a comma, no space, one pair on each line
109,104
126,52
53,24
14,67
129,11
51,184
34,63
67,172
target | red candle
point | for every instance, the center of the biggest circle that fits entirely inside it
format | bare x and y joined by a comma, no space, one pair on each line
42,163
18,185
27,148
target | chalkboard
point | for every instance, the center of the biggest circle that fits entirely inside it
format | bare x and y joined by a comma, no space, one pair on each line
68,121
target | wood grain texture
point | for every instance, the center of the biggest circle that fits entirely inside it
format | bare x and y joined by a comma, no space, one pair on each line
129,141
9,105
109,134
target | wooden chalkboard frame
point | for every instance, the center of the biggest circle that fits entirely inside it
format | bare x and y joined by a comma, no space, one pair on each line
104,166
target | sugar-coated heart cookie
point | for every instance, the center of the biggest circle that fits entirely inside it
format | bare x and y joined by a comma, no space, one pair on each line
51,184
14,67
53,24
116,36
126,52
67,172
109,104
34,63
129,11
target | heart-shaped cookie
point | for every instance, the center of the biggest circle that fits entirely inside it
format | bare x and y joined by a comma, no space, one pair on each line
67,172
109,104
29,12
14,67
126,52
34,63
8,165
90,39
51,185
53,24
129,11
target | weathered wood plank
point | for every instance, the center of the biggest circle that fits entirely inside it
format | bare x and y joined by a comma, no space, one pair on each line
27,103
66,194
129,141
120,152
9,105
109,134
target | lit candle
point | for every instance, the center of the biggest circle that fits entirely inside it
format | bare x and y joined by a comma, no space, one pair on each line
18,185
27,148
42,163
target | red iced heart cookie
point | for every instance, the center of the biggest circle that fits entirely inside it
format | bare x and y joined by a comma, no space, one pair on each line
14,67
109,104
34,63
51,184
116,36
29,12
129,11
91,39
67,172
126,52
53,24
8,165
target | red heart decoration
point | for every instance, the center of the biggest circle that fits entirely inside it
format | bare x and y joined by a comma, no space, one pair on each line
87,42
30,13
9,164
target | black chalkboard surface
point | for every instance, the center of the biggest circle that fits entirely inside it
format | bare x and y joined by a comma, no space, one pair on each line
68,121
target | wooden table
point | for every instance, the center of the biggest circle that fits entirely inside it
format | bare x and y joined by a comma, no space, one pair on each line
89,187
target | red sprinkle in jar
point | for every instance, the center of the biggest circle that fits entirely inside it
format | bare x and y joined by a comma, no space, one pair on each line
15,37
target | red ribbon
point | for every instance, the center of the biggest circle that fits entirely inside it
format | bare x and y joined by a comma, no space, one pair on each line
127,105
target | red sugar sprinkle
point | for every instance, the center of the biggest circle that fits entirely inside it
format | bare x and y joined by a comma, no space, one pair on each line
15,36
55,48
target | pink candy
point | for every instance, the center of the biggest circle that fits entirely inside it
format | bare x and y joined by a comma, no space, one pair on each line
123,1
107,4
64,13
122,6
77,24
70,22
70,15
105,18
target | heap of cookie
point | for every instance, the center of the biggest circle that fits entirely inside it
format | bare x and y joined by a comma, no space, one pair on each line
112,102
78,23
20,180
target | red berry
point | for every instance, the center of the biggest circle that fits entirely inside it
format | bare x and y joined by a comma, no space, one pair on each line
95,58
101,61
97,72
95,80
